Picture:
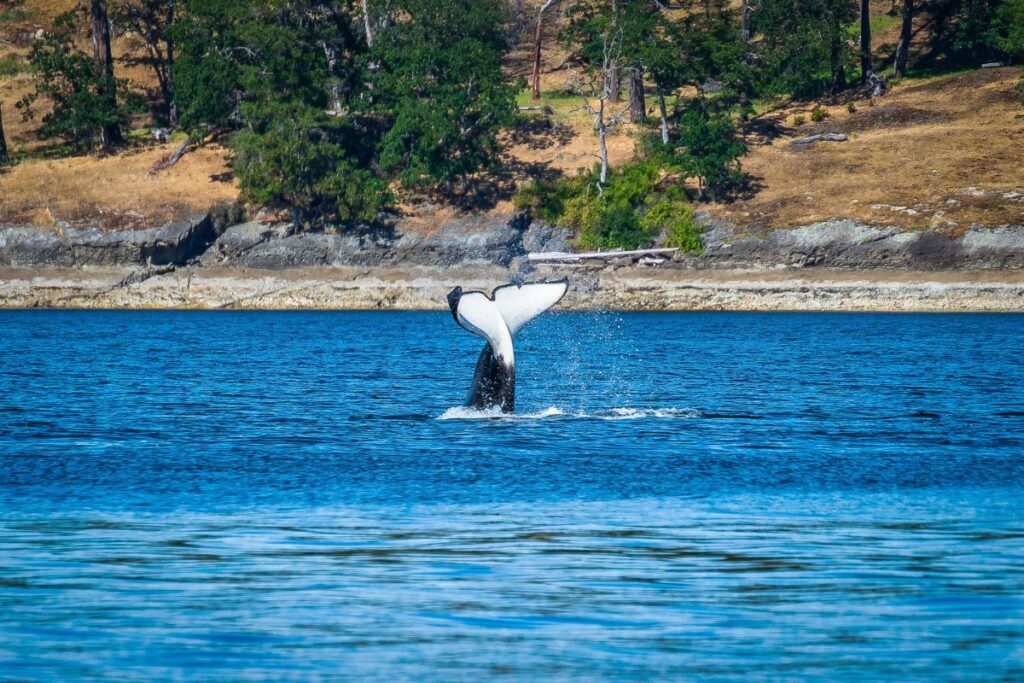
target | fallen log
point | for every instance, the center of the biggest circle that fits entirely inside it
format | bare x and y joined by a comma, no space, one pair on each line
167,162
821,137
569,257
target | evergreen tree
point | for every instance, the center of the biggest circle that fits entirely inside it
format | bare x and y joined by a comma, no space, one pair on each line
711,149
434,80
80,88
899,61
110,130
806,51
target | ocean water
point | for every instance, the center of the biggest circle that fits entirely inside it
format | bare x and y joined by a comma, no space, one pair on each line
297,496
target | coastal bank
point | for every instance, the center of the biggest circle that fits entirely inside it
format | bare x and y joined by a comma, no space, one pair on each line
839,265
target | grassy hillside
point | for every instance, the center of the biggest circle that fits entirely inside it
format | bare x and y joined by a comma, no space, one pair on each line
939,150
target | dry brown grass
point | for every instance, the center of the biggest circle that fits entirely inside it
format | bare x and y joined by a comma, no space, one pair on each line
911,160
114,191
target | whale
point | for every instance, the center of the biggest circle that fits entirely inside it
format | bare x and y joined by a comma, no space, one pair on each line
497,318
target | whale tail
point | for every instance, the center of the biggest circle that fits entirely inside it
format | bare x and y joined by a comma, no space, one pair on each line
497,318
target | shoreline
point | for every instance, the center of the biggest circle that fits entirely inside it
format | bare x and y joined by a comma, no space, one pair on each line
425,287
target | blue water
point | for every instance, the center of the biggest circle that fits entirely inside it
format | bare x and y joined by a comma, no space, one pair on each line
290,496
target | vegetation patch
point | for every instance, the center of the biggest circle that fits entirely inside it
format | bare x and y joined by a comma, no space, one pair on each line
636,205
12,66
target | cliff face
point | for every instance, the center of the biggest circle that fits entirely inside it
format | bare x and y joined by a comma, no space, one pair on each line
501,241
854,245
174,243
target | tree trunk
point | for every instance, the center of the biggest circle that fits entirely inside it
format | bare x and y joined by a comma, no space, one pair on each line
537,40
637,101
5,157
536,56
744,86
899,65
664,117
111,133
612,79
865,40
836,61
172,105
602,134
366,23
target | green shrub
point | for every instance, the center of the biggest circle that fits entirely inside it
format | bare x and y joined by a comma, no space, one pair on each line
851,107
799,120
614,226
546,200
818,114
676,218
629,212
295,156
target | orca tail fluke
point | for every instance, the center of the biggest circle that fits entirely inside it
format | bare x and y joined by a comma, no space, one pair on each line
497,318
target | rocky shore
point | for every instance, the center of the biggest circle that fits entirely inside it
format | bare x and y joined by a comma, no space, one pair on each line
196,263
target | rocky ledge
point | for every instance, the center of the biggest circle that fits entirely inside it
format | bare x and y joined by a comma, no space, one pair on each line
833,265
501,240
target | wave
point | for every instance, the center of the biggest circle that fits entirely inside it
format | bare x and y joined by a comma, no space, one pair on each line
465,413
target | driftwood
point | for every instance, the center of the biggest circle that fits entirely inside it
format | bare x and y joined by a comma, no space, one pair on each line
569,257
821,137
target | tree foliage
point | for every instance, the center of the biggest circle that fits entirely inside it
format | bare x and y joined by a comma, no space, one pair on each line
436,84
294,156
710,149
805,45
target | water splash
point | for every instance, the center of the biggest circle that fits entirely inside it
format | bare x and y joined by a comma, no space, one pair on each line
465,413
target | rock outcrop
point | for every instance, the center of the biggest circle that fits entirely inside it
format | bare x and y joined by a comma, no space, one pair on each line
854,245
174,243
501,240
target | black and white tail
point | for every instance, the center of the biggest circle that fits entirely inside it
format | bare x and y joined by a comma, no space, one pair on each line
497,318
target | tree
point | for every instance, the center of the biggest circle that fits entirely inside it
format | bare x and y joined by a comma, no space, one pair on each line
436,86
1009,25
639,20
711,150
537,40
295,156
865,40
79,88
694,48
899,62
270,70
598,35
110,129
153,22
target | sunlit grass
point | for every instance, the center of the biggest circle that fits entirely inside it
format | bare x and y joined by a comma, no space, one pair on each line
881,23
